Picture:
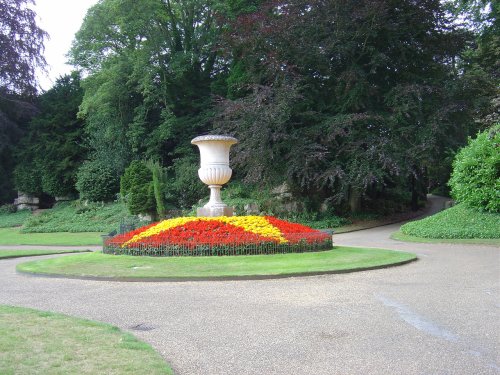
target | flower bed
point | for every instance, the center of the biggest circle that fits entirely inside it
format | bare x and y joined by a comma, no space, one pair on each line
202,236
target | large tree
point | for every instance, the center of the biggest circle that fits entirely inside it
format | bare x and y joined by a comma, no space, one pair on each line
151,65
21,46
52,150
21,53
352,95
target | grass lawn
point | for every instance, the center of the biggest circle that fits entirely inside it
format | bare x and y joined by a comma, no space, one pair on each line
399,236
135,267
458,222
13,236
39,342
13,253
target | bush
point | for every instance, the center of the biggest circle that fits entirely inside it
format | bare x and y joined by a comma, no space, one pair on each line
186,188
136,187
56,183
97,182
458,222
160,179
475,179
317,220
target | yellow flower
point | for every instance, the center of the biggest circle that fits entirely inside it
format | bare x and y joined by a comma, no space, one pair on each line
255,224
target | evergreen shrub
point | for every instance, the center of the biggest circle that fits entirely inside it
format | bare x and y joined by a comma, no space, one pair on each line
96,182
136,187
475,179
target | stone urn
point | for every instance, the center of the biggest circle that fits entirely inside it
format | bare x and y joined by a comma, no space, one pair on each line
214,171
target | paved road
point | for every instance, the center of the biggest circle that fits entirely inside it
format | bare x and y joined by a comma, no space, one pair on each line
435,316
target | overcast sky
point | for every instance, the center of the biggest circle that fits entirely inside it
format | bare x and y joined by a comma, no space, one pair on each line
61,19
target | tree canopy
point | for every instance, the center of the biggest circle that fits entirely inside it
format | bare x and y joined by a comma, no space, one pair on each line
356,104
52,148
21,43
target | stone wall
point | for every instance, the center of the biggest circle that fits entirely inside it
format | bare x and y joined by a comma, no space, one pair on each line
25,201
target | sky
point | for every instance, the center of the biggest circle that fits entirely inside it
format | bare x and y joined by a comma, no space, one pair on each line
61,19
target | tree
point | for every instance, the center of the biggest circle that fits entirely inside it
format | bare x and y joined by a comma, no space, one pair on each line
351,95
151,65
21,43
53,144
15,115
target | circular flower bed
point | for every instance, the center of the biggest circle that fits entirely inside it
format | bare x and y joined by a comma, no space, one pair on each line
236,235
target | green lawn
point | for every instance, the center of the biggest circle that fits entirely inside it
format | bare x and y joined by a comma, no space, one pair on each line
12,253
39,342
399,236
458,222
123,266
13,236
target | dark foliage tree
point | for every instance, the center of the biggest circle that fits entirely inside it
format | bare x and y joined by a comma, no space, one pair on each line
345,99
21,46
53,145
21,53
15,115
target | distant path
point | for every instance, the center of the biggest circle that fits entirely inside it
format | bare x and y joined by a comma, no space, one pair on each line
380,236
438,315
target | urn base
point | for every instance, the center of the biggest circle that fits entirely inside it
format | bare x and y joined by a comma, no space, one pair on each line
214,211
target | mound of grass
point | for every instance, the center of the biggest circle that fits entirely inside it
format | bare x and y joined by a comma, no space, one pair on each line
39,342
13,236
340,259
13,219
76,217
458,222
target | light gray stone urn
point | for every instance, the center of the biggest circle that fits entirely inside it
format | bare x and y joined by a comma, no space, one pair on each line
214,171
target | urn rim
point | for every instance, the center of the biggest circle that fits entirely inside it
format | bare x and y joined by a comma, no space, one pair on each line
214,138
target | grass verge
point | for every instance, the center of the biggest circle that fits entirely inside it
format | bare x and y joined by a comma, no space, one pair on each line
12,253
458,222
399,236
340,259
13,236
39,342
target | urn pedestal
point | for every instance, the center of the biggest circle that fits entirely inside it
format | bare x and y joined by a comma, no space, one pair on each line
214,171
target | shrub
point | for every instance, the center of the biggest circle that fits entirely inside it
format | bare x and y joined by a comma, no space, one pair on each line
186,188
159,175
57,183
475,179
136,187
96,182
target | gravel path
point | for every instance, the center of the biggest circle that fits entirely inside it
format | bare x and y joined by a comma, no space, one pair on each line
438,315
